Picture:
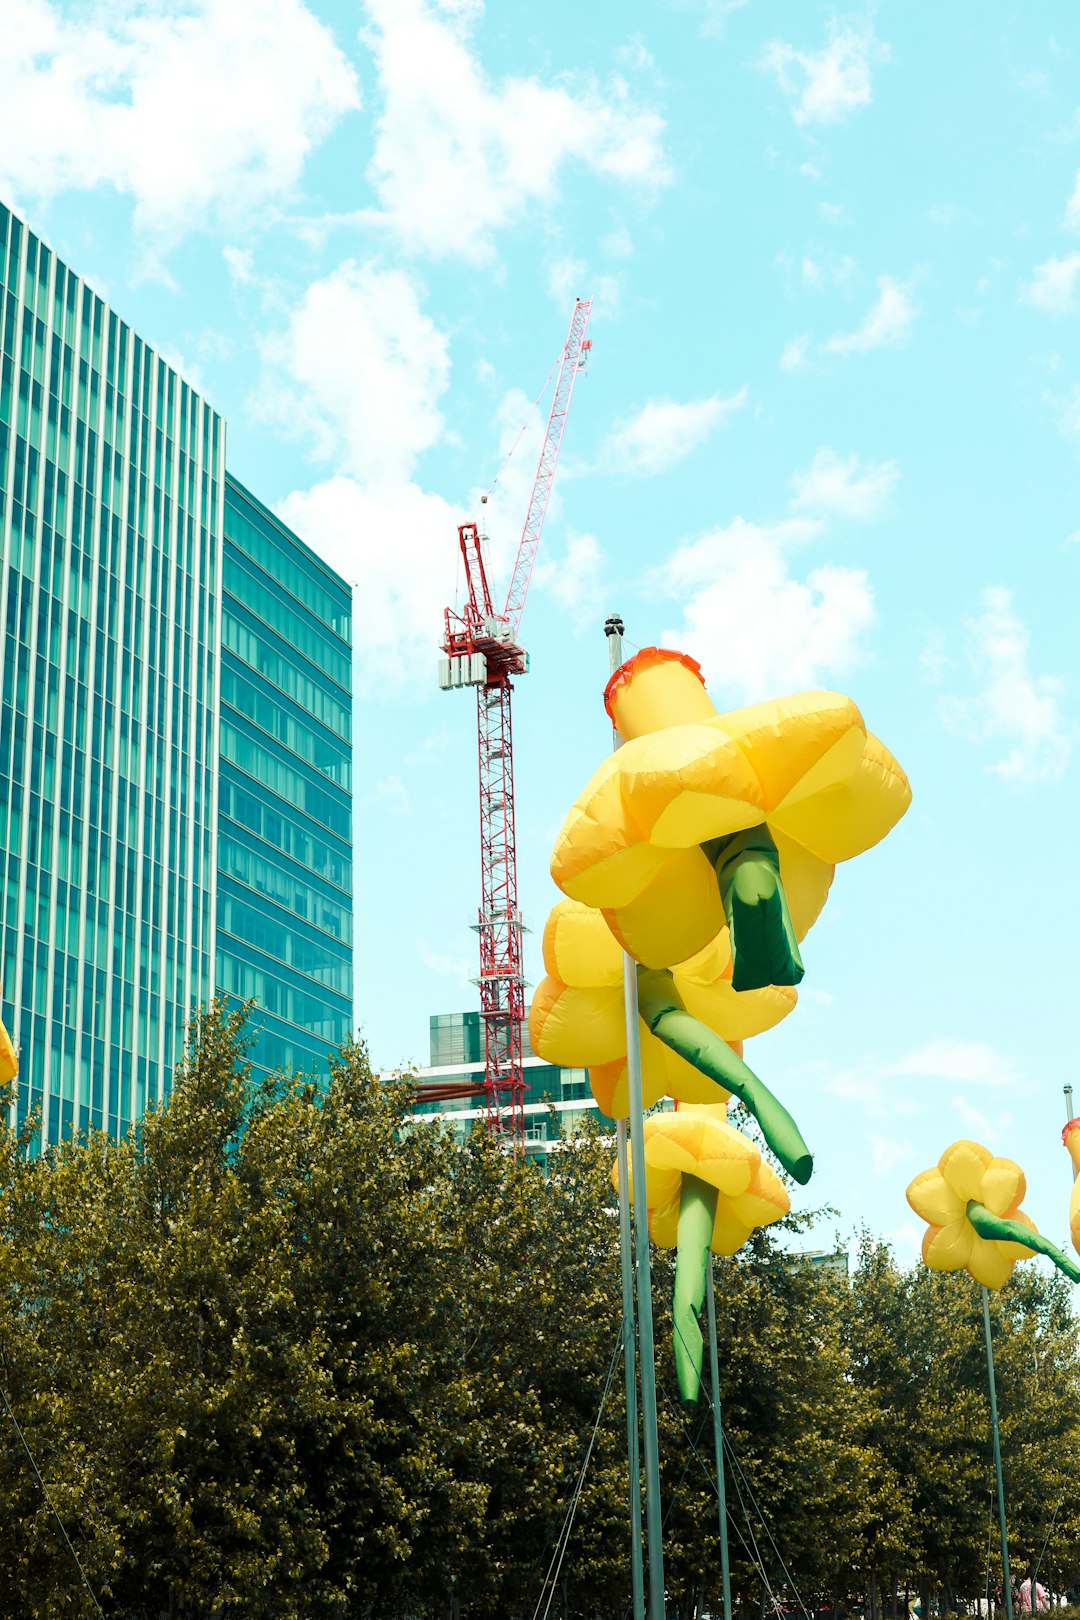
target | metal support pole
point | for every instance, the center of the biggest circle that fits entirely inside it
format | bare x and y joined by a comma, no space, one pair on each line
613,629
637,1580
1005,1575
718,1442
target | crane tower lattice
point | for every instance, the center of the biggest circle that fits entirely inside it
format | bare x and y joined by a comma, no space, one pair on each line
482,649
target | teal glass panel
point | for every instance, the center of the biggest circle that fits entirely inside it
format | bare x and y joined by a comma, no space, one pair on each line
284,903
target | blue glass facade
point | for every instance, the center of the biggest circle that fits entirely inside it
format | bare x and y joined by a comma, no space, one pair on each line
284,904
111,510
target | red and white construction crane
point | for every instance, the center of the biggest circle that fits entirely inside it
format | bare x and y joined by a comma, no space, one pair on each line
481,649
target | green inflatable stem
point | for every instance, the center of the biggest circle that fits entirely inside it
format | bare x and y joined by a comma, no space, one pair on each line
660,1005
763,945
997,1229
697,1216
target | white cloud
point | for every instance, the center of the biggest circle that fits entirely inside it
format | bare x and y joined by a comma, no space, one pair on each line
886,325
190,111
1013,708
1053,285
885,1087
716,14
736,579
958,1062
446,965
827,86
359,370
399,547
576,580
569,278
831,270
844,486
392,791
974,1118
1069,413
1072,207
459,155
888,1153
795,353
664,432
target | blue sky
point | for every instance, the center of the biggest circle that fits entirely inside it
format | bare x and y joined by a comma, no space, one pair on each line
829,436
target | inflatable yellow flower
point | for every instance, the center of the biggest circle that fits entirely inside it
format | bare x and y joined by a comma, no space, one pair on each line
702,821
9,1061
1071,1137
971,1201
691,1024
707,1189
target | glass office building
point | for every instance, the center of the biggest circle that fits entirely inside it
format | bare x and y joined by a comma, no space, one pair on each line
284,907
111,508
154,615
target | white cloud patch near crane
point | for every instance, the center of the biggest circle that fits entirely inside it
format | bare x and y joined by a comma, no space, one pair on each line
739,579
664,432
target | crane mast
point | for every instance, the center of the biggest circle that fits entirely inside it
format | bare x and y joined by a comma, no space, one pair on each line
481,649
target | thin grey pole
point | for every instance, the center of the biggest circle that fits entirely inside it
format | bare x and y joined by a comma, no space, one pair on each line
613,629
718,1442
626,1259
1068,1104
1005,1575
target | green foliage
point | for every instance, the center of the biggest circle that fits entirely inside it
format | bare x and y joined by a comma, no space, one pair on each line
285,1353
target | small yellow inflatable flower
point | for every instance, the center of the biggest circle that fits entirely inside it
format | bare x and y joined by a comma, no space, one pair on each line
1071,1137
9,1060
701,818
972,1203
698,1141
707,1189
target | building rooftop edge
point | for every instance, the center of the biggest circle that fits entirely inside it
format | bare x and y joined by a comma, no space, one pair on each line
130,324
231,481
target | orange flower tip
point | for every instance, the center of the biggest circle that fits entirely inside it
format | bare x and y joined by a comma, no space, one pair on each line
1073,1125
647,658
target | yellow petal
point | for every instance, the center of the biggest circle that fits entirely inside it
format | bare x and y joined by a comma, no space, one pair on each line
9,1061
579,947
687,784
609,1082
675,915
948,1248
729,1232
734,1014
851,817
577,1028
799,744
963,1166
600,857
991,1263
1003,1187
931,1197
807,881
